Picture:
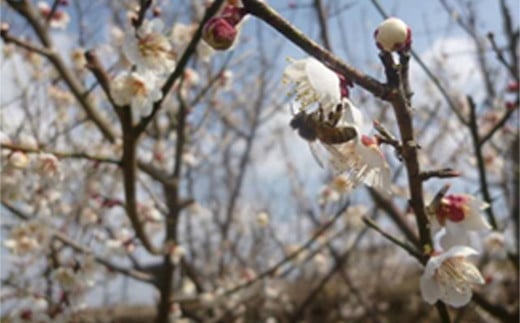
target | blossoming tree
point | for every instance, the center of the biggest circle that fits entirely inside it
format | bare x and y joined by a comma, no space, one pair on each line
143,153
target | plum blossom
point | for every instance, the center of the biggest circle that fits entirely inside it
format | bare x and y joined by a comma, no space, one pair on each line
26,238
262,219
312,82
139,90
393,35
149,48
67,278
48,166
449,277
18,159
59,19
459,213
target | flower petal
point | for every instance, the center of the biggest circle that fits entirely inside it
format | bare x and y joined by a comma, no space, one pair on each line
324,81
430,291
452,238
460,251
456,297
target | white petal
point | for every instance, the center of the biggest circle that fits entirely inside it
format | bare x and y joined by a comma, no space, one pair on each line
295,71
324,81
429,289
155,26
460,251
456,297
475,220
352,114
451,239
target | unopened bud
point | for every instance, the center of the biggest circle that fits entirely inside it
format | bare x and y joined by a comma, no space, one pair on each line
393,35
219,33
513,87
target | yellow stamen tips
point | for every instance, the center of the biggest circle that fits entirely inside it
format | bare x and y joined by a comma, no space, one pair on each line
427,249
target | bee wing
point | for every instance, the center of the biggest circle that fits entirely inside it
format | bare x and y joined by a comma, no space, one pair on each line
315,153
338,160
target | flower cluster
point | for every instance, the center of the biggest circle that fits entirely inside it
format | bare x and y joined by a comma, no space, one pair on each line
448,275
149,50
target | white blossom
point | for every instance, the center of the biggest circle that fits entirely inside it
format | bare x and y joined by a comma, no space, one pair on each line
449,277
18,159
139,90
149,49
312,83
262,219
59,19
459,214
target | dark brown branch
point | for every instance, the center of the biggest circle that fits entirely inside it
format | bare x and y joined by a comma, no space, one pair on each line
497,126
62,154
26,9
402,244
397,217
265,13
439,173
322,20
129,165
473,128
181,65
495,309
501,58
143,7
8,38
428,72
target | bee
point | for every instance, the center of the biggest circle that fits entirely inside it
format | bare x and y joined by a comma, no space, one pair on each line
315,127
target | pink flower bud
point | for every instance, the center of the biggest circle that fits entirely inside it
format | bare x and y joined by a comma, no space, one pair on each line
513,87
219,33
393,35
453,208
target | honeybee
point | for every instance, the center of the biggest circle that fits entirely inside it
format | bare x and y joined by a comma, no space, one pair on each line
314,126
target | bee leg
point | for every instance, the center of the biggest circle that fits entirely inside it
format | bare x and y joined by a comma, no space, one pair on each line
320,114
334,116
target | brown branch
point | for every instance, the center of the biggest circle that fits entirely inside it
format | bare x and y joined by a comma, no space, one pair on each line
271,17
8,38
181,65
473,128
497,126
322,20
62,154
396,215
501,58
439,173
428,72
138,275
26,9
496,310
410,249
143,7
129,164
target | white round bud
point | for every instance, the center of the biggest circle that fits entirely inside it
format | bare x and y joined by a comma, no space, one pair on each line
392,35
